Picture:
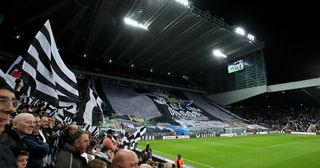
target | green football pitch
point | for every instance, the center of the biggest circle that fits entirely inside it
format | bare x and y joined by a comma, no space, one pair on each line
254,151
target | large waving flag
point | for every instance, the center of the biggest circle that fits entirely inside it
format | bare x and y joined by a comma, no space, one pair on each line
92,113
50,79
130,142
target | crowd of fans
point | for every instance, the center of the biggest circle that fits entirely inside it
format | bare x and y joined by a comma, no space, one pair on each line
35,140
30,138
277,119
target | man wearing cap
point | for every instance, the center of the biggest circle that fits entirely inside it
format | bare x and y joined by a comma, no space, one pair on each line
8,105
109,141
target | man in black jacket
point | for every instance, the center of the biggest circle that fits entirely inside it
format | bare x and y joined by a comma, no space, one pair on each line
7,107
38,149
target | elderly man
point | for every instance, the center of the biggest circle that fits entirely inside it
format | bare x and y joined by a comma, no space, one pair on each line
125,159
7,106
70,155
22,125
37,148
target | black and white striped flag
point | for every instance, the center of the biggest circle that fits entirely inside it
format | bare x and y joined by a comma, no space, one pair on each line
51,80
93,113
94,130
130,142
14,72
2,75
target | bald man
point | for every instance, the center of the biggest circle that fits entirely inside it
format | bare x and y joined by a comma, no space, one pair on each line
144,165
125,159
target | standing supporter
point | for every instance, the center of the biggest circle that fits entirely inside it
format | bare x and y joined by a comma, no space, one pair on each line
24,108
47,134
22,125
68,132
70,155
109,141
37,148
179,162
7,107
144,165
96,163
146,153
125,158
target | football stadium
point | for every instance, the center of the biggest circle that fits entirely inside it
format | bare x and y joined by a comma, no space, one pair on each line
145,83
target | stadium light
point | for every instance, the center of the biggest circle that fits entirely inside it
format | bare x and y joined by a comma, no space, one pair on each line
184,3
134,23
151,70
132,65
251,37
18,36
240,31
110,61
218,53
185,77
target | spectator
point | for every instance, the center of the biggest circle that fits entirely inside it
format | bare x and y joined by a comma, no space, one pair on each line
38,149
144,165
70,155
147,153
7,107
22,159
125,158
109,141
22,125
109,152
68,132
96,163
47,135
24,108
179,162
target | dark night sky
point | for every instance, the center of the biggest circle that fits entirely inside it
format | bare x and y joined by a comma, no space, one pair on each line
289,30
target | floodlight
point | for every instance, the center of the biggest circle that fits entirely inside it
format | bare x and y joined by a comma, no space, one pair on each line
240,31
251,37
218,53
134,23
184,3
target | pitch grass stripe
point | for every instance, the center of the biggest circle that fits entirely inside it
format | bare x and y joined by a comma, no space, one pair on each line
185,159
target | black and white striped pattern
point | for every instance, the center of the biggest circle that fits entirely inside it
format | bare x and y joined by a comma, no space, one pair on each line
2,75
53,81
93,113
94,130
14,72
130,142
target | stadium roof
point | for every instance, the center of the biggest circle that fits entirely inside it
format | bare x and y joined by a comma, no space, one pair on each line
292,94
179,39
